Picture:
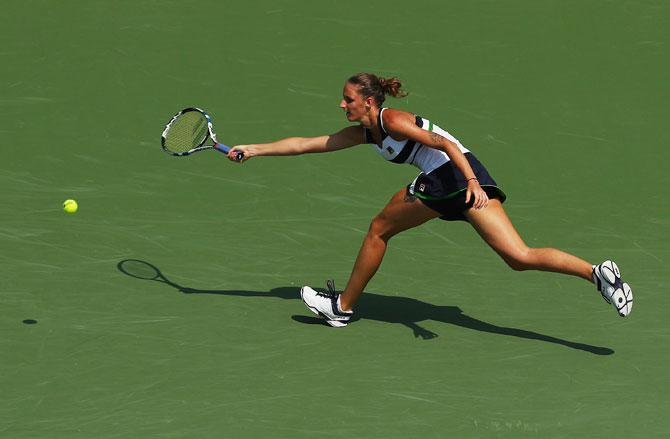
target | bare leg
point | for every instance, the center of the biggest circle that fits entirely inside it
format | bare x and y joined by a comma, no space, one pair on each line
401,213
497,230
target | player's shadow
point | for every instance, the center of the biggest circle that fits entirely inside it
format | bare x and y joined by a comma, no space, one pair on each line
391,309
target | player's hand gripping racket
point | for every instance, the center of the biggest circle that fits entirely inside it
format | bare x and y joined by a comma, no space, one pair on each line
191,131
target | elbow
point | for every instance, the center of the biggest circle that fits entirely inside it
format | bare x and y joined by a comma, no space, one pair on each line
293,146
301,146
308,145
450,148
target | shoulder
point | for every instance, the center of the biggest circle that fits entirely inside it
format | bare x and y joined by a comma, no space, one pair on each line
394,119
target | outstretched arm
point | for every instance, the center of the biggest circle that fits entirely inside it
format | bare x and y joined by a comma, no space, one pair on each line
345,138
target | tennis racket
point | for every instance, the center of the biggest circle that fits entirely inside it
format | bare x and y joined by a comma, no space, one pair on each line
191,131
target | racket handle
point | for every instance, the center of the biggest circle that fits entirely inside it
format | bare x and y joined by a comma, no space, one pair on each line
225,149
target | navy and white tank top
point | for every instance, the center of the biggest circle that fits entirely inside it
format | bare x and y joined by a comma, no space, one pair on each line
423,157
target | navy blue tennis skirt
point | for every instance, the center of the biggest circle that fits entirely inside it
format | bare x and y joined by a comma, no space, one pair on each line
444,189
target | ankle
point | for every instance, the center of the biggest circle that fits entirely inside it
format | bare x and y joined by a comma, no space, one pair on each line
343,306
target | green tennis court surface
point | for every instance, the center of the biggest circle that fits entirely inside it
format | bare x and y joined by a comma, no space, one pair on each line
565,102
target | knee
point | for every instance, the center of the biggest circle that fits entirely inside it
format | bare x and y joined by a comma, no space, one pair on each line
517,265
521,260
380,228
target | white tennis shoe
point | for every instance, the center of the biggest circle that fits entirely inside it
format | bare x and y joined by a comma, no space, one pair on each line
326,305
607,278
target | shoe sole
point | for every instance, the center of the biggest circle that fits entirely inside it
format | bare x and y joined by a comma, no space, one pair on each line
336,323
333,323
623,303
625,297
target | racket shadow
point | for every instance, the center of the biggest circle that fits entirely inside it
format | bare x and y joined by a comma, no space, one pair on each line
146,271
406,311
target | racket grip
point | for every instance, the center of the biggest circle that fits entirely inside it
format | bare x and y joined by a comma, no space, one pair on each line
225,149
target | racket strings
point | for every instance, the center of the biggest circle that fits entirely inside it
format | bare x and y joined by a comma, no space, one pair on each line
189,130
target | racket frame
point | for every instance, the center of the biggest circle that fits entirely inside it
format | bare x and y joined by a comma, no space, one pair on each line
201,147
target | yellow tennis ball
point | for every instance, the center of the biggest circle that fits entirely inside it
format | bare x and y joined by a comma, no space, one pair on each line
70,206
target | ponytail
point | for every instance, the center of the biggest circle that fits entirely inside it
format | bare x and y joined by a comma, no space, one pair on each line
392,87
377,86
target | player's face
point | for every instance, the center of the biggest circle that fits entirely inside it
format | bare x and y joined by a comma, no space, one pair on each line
353,103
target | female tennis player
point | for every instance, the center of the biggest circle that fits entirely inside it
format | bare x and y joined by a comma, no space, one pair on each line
452,185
